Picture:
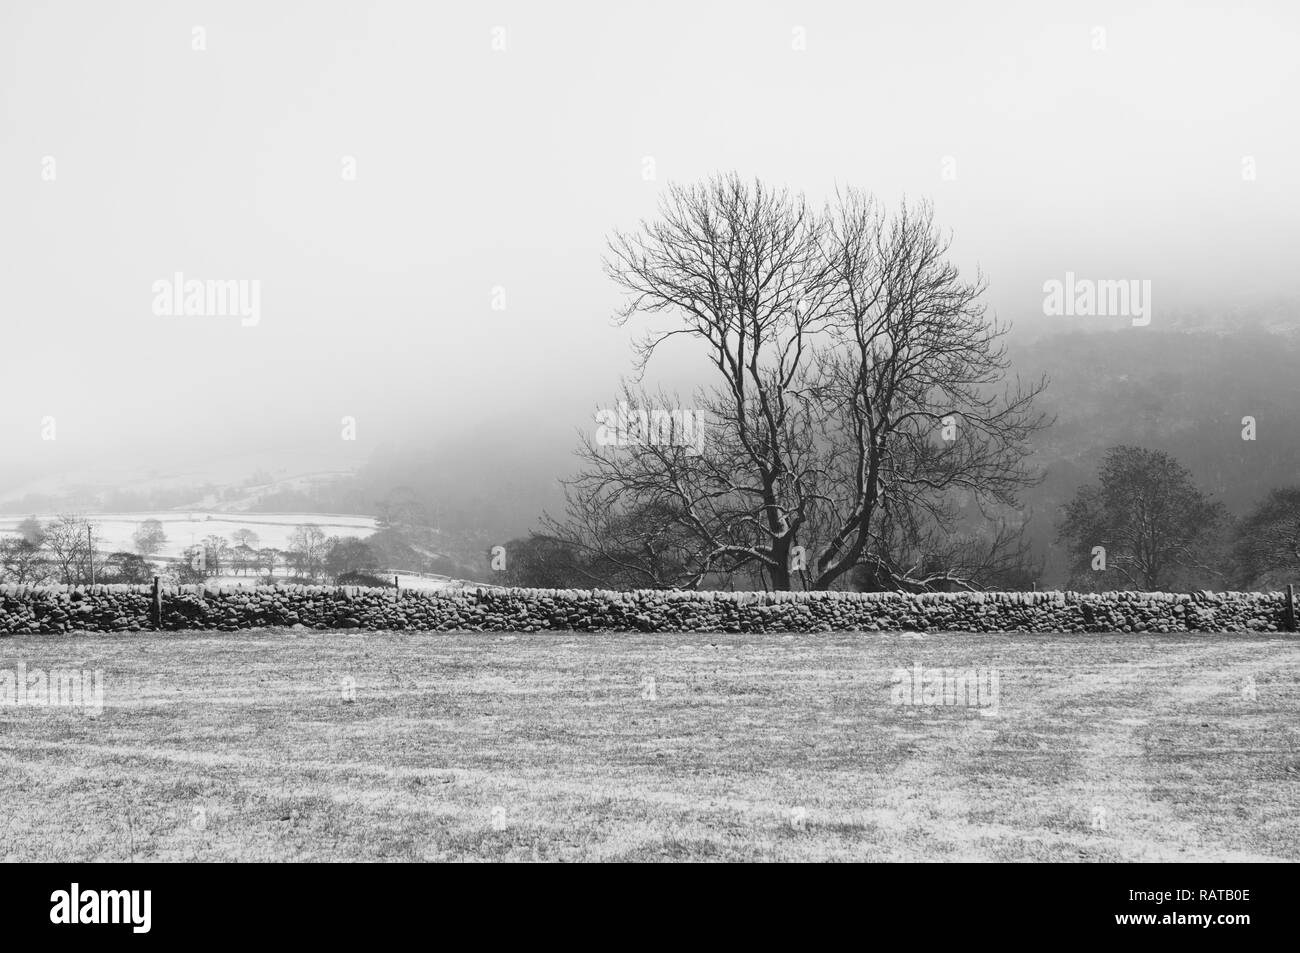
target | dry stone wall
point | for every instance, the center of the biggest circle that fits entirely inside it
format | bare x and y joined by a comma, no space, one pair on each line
45,609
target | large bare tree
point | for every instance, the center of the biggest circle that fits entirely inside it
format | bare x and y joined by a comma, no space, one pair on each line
856,387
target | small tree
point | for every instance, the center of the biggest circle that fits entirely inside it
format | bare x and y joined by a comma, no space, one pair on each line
149,537
268,560
193,566
544,562
1148,517
22,561
127,568
243,559
348,556
245,537
307,548
1266,545
71,542
216,551
31,530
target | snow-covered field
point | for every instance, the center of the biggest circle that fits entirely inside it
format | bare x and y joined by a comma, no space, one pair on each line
183,530
187,529
405,580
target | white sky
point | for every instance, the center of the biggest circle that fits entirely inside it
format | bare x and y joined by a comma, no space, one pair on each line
478,169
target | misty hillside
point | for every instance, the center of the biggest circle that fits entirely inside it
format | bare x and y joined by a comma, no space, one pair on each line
1184,391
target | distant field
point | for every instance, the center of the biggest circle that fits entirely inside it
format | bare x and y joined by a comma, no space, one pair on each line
560,747
185,529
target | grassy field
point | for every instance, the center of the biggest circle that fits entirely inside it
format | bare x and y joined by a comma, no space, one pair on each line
278,745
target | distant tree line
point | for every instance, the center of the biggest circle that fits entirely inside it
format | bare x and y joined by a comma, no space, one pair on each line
1146,525
69,550
1143,525
309,557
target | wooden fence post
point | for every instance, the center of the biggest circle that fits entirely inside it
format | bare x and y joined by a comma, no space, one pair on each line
155,609
1290,607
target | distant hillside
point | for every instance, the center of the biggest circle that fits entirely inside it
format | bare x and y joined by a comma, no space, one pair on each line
283,481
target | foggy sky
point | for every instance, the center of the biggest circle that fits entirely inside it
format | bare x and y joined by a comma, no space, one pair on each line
479,169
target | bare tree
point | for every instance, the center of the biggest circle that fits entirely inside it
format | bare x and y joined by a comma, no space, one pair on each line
268,559
308,546
1148,518
242,558
915,411
643,546
856,386
216,550
22,561
71,542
